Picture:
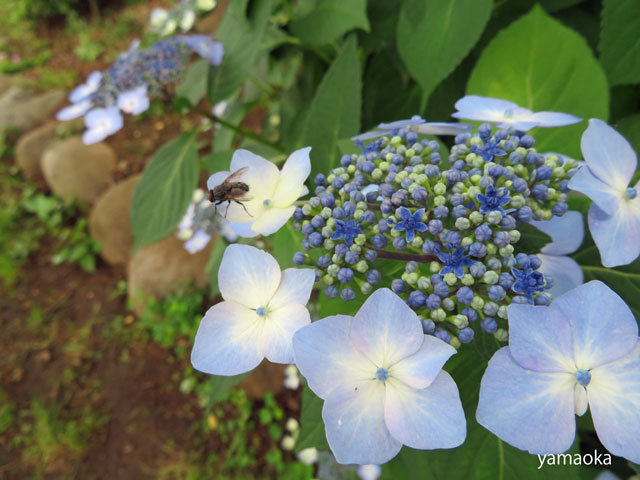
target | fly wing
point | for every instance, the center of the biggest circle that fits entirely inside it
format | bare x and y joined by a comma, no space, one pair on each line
236,175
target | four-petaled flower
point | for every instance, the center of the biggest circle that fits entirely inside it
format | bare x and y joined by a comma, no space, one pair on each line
508,114
382,381
416,124
493,200
489,150
272,192
581,351
134,101
409,223
614,215
567,233
455,260
347,228
100,123
528,281
262,309
205,47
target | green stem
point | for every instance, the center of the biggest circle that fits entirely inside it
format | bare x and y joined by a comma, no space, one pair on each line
237,128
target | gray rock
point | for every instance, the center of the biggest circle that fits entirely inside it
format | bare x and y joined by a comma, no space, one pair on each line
22,110
30,147
110,221
161,268
73,169
5,83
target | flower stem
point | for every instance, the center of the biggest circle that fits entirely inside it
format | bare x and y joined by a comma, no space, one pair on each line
405,256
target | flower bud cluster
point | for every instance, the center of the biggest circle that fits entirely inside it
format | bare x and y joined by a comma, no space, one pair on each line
450,224
182,15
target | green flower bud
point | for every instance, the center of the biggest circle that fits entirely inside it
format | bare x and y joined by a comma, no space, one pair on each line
463,223
396,233
350,169
412,278
501,335
435,267
439,200
331,222
494,217
383,166
362,266
424,283
306,209
360,239
506,251
466,241
477,162
455,342
491,249
396,140
327,231
514,236
448,304
450,279
475,179
333,269
328,244
476,217
438,315
417,242
502,312
357,215
440,188
477,303
468,280
328,279
459,321
517,201
366,288
376,174
490,277
355,248
337,259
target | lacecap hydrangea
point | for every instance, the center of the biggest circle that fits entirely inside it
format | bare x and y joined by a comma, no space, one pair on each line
441,231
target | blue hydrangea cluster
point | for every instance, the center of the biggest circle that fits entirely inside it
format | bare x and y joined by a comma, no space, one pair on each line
440,232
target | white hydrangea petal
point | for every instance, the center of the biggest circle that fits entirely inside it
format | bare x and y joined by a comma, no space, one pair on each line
530,344
354,422
609,155
243,229
565,271
272,219
442,128
415,120
567,233
326,358
385,329
604,329
530,410
421,368
602,194
74,111
370,135
426,418
479,108
187,20
279,326
197,242
616,235
228,340
216,179
292,177
262,175
554,119
614,399
94,135
295,287
248,276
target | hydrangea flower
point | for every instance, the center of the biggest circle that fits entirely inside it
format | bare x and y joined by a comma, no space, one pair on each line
509,114
347,229
134,101
614,215
272,192
369,472
492,200
183,15
205,47
567,233
262,309
416,124
100,123
581,351
382,382
528,281
84,90
409,223
455,260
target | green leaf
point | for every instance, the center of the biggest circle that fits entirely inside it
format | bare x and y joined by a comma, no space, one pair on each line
311,424
218,161
531,239
284,243
335,109
165,190
213,264
194,85
329,20
619,40
435,35
220,386
540,64
629,127
241,35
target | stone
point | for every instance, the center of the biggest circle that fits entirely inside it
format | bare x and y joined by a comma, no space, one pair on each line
30,147
73,169
110,221
22,110
267,377
5,83
162,268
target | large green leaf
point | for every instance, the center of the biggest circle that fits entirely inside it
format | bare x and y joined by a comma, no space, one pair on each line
531,239
242,34
213,264
219,387
540,64
329,20
629,127
194,85
335,109
311,424
435,35
165,190
619,40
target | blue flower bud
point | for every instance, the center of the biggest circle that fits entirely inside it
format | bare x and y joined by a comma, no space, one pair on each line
428,326
453,237
559,209
540,191
431,171
525,214
411,266
527,141
453,176
440,211
397,286
533,158
456,199
520,299
323,262
345,275
386,207
478,250
373,277
429,247
496,171
327,199
315,239
501,239
534,262
489,325
435,158
371,256
412,137
496,293
465,295
544,172
369,217
307,229
319,179
331,291
351,257
347,294
338,213
397,159
399,243
519,185
298,215
349,207
441,289
483,233
317,221
298,258
433,301
506,280
435,227
341,249
508,222
470,313
416,299
490,308
542,299
442,335
477,270
379,240
419,194
466,334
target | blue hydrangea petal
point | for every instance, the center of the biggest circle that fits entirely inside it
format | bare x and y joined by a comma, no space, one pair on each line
415,120
443,128
355,427
294,288
530,410
565,271
386,329
428,418
604,329
420,369
420,227
530,344
567,233
243,229
602,194
616,235
479,108
554,119
609,155
278,330
369,135
228,341
326,358
74,111
411,235
614,399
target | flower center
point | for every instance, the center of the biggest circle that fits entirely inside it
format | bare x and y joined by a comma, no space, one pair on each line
583,377
631,193
508,113
262,311
382,374
266,203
